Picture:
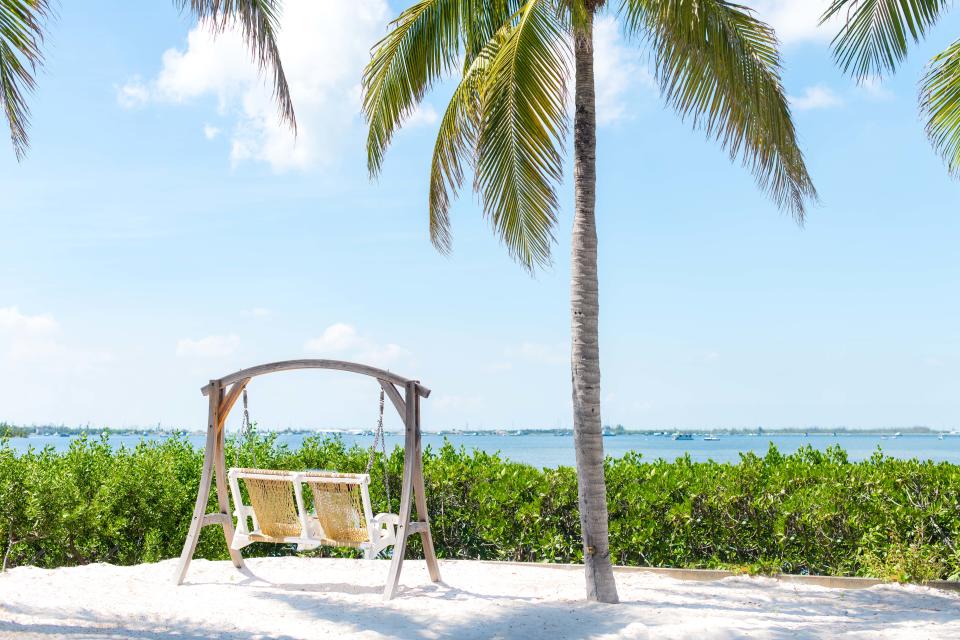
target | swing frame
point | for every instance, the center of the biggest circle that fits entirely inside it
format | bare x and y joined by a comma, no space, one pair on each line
223,394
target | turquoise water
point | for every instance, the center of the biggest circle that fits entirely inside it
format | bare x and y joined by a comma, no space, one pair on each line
551,450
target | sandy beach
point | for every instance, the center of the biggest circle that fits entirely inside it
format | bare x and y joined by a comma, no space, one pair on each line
310,598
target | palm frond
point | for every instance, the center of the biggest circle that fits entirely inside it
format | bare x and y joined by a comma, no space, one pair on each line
422,45
521,131
940,103
258,21
21,37
876,33
456,142
480,21
718,65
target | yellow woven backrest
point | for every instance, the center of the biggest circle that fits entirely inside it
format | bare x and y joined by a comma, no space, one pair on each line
274,503
339,509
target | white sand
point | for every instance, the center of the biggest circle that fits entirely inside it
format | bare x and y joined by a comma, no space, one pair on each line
318,598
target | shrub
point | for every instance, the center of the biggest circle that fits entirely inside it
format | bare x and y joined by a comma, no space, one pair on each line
807,512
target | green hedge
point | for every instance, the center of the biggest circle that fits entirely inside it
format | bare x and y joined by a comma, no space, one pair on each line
807,512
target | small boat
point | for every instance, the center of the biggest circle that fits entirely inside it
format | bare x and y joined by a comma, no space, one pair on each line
711,438
682,436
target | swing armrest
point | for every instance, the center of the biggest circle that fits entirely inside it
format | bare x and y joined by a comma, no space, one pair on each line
386,520
385,528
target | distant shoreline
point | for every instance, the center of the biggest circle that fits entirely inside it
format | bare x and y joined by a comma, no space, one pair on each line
18,431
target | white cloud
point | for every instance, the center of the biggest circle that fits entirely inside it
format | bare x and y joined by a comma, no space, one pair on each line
872,87
796,20
24,337
817,97
210,132
445,403
133,94
324,47
209,347
37,340
541,353
342,341
12,320
424,115
618,69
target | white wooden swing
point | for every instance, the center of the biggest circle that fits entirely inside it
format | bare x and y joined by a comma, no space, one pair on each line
279,511
341,514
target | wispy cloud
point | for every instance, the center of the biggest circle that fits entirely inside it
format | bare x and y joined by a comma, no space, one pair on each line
618,70
37,339
133,94
816,97
872,87
343,341
541,353
208,347
796,20
210,132
257,312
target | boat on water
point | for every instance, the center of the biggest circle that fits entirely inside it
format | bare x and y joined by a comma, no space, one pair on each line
711,438
682,436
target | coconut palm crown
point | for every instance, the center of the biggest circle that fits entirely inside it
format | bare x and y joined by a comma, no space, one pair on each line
716,64
23,25
874,40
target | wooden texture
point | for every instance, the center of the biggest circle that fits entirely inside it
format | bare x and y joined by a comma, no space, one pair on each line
229,400
411,489
403,530
336,365
395,398
420,492
220,473
203,493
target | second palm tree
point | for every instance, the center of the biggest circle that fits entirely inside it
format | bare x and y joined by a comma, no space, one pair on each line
716,64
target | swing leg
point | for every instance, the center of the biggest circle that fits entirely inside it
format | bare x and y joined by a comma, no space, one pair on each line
199,509
412,484
223,500
213,455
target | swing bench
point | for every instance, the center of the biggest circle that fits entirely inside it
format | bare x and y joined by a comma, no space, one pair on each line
312,508
341,514
341,517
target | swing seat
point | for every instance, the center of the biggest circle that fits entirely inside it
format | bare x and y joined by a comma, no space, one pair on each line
341,515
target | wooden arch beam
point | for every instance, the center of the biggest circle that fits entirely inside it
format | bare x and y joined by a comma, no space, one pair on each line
332,365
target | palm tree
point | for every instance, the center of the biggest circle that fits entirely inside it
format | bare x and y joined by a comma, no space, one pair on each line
716,64
23,26
873,41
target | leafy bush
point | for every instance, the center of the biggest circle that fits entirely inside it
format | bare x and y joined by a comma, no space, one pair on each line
807,512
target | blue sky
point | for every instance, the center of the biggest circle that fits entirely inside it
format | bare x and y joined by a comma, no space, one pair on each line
164,230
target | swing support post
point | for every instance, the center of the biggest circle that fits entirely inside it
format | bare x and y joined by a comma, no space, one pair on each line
223,394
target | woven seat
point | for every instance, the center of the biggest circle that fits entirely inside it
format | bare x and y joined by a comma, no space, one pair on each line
341,514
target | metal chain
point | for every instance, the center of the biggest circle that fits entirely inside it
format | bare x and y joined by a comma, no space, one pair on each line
378,435
246,430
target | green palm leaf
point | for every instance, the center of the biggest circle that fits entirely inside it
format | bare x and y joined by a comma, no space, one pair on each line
423,45
876,33
21,36
456,142
940,103
521,131
258,21
718,65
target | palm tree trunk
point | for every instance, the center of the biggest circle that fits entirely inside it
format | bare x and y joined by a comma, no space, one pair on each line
585,315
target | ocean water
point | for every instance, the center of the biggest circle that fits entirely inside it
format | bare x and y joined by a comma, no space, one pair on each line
553,450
